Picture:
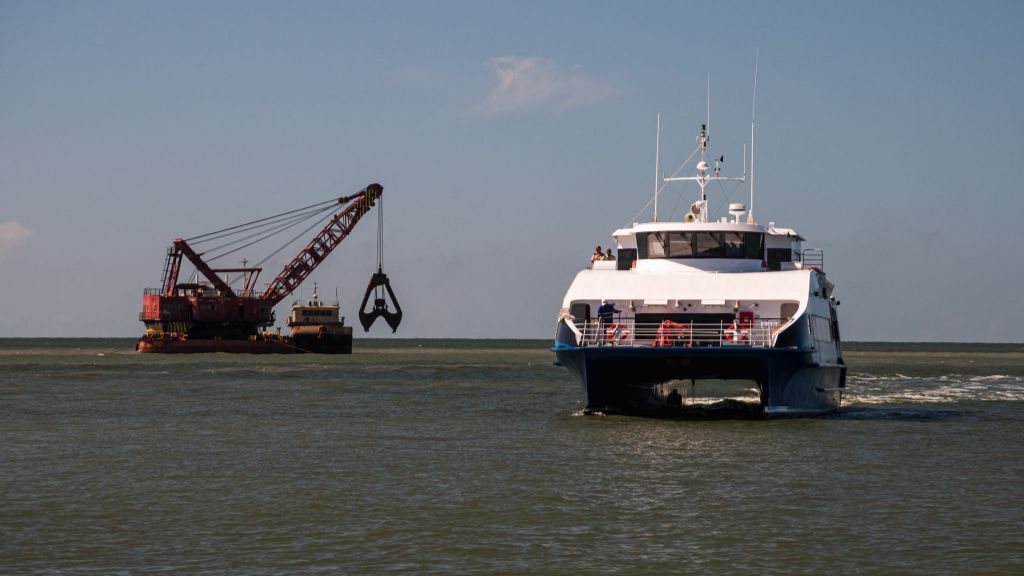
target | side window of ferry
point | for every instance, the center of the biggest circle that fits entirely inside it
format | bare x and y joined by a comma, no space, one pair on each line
680,245
822,328
753,245
708,245
641,246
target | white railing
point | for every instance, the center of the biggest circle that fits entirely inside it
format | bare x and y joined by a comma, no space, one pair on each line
758,333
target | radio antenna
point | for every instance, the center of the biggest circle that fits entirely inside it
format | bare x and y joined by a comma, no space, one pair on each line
707,119
657,166
753,120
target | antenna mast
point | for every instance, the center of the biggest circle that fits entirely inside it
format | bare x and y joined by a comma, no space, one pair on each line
657,166
707,96
702,178
753,119
702,166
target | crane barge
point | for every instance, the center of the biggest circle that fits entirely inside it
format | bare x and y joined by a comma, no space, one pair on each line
208,314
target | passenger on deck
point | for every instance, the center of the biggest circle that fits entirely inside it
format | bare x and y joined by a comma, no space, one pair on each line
606,312
609,255
605,317
597,255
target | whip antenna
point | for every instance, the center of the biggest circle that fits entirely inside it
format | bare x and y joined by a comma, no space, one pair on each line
657,166
753,119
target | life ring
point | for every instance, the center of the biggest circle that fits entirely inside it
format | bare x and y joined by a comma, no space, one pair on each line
616,332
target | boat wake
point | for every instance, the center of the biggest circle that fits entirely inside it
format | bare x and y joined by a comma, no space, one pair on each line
949,388
701,409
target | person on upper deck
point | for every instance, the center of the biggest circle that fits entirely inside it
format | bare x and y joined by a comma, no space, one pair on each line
597,255
609,255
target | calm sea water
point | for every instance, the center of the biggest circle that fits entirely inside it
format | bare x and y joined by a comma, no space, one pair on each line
472,457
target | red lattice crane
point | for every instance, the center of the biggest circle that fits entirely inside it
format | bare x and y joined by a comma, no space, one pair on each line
215,310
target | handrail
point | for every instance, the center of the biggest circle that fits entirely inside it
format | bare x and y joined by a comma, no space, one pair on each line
208,292
758,333
813,257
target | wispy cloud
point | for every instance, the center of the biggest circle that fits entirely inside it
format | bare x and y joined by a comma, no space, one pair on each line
12,236
533,83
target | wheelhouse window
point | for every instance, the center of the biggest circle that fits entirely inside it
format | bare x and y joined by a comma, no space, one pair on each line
733,244
708,245
680,245
711,244
654,245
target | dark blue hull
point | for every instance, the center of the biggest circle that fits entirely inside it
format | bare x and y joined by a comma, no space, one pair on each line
645,380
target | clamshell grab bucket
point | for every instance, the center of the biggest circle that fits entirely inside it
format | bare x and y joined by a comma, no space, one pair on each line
379,283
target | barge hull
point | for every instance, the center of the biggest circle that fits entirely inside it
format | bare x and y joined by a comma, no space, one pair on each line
256,346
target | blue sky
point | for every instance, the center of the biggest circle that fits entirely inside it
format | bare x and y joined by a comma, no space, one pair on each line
510,139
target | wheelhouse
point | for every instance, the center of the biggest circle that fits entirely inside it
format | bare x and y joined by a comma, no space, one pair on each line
700,244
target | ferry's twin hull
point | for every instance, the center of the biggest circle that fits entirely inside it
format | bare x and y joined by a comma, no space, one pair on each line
650,380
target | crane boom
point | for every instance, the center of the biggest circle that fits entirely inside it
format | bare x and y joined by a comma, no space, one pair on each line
322,244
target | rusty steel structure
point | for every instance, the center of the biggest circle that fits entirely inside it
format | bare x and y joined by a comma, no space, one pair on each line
214,310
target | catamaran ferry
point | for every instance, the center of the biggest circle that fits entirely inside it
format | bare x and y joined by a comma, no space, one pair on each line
704,313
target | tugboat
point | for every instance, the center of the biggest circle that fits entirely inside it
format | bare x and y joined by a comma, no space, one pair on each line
701,314
317,327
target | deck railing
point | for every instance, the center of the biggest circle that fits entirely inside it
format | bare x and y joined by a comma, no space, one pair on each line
207,292
759,333
813,257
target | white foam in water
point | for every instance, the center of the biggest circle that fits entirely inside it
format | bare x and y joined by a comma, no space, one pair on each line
948,388
708,400
993,378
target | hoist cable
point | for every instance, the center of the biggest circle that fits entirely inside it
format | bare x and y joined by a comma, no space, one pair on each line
297,236
262,224
264,237
318,204
266,231
380,232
